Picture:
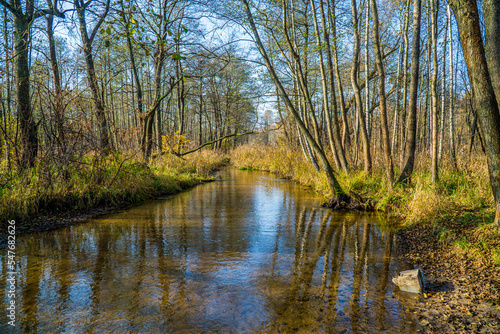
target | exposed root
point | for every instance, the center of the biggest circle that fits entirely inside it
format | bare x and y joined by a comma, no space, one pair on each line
351,202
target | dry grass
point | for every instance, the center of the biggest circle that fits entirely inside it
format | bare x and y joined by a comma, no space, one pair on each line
460,201
422,200
93,181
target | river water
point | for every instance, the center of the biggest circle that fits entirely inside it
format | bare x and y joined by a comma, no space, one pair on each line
248,254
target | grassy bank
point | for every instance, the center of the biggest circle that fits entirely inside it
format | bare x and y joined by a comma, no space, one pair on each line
458,207
92,181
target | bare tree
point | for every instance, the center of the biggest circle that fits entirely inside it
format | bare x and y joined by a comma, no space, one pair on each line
357,92
23,19
87,40
412,115
335,187
389,169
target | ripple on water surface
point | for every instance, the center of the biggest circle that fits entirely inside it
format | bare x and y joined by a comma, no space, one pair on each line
247,254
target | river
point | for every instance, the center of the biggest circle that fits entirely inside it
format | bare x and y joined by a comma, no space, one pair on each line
248,254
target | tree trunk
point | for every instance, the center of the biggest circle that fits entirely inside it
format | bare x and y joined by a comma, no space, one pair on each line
331,119
135,73
102,122
367,71
467,15
405,81
58,98
443,94
7,111
412,115
335,187
355,86
336,128
29,135
147,142
389,169
491,9
346,140
452,99
180,94
434,156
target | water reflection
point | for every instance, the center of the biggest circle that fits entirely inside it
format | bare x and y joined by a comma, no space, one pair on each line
247,254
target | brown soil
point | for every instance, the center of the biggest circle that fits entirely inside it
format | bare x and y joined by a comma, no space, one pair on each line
462,294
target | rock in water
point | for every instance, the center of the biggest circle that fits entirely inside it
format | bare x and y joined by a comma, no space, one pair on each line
410,281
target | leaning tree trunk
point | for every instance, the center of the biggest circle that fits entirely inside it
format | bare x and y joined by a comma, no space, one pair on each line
412,115
467,15
334,186
102,122
491,9
331,116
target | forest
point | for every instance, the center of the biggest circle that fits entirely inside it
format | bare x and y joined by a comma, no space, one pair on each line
387,106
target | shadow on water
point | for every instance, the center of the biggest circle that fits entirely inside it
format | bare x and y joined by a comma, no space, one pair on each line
251,254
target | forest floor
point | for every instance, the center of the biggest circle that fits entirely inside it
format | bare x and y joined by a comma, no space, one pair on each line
462,293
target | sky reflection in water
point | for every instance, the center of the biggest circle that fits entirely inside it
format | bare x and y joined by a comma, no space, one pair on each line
247,254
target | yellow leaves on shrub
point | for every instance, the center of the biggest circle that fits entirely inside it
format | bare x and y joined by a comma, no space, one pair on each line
174,142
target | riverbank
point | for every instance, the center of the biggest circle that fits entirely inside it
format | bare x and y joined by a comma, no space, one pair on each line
53,196
445,228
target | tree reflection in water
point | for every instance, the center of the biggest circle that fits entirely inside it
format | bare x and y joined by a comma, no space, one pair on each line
247,254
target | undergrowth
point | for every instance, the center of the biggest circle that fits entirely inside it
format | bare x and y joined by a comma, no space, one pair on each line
92,181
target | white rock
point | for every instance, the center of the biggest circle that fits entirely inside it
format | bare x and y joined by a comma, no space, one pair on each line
410,281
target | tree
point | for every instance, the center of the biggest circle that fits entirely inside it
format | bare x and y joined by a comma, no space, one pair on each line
357,92
22,22
434,149
389,169
485,101
58,94
412,116
87,40
343,111
332,122
335,188
491,9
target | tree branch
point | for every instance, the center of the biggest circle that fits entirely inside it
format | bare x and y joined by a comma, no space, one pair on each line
214,141
101,20
13,10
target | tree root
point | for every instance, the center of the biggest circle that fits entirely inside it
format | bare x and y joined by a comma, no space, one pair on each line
351,202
